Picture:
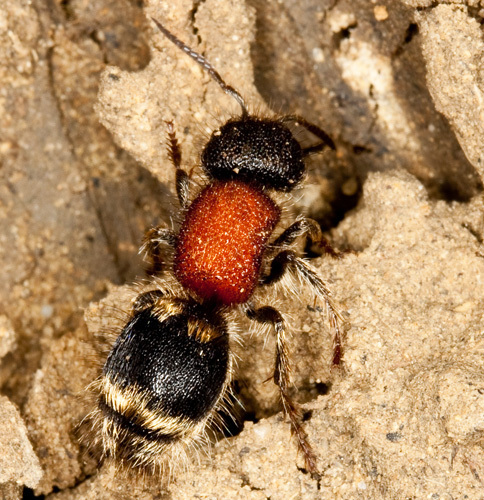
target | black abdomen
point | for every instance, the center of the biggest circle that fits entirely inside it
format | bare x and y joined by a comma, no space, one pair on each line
163,377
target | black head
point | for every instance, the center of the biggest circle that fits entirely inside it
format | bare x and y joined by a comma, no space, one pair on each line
251,149
255,150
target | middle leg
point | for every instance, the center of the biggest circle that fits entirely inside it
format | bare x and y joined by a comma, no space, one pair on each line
288,262
152,248
304,226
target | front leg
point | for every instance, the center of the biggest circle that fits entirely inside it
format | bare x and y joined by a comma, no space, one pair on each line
156,238
182,178
287,261
282,378
315,130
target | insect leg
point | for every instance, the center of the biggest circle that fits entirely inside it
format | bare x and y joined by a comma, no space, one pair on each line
182,178
282,378
304,226
288,261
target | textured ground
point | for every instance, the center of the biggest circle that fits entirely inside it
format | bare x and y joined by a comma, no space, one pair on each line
87,88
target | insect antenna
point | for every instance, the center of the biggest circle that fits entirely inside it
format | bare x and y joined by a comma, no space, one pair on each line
206,65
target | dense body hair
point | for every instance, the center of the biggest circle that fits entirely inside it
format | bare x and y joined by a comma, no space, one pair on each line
219,247
168,372
164,380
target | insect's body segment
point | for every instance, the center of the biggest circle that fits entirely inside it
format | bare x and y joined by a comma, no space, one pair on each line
218,253
255,150
167,370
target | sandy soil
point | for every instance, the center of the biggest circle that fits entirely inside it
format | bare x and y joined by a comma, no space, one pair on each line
87,89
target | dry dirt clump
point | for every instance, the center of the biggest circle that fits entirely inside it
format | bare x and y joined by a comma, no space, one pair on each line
87,88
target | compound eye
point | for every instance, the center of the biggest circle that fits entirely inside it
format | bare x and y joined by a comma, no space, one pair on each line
262,152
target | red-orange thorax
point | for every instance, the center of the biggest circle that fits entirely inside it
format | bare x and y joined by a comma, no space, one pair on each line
221,242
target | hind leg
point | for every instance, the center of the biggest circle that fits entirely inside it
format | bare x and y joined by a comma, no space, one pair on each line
282,378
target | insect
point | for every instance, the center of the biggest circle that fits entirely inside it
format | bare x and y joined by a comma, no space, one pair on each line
169,370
